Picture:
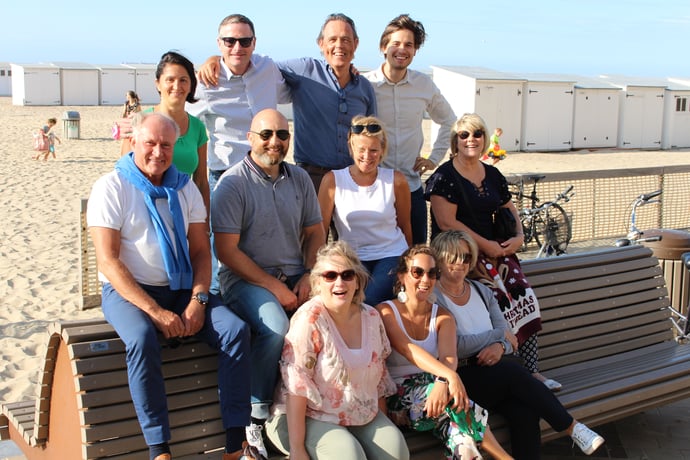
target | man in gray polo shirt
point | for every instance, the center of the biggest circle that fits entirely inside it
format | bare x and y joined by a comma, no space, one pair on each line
267,225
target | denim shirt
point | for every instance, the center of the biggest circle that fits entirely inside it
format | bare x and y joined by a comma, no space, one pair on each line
323,111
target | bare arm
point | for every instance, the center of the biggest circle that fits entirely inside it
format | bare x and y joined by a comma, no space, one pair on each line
200,256
327,199
314,237
512,245
228,252
403,205
107,245
201,178
296,419
210,71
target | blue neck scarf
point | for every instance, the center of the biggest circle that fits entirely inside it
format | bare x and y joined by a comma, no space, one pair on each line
178,265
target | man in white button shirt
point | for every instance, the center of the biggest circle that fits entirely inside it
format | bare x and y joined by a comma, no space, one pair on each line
402,97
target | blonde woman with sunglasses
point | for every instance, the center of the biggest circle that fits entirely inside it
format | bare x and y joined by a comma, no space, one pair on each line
466,194
430,396
334,375
369,206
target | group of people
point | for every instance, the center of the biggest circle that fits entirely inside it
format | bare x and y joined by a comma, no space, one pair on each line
44,140
204,230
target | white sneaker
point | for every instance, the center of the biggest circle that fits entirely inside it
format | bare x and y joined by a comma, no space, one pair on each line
255,439
552,385
587,440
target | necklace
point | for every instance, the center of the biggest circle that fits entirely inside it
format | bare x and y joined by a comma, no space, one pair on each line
457,296
415,332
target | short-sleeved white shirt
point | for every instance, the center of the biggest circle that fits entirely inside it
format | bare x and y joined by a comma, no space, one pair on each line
116,204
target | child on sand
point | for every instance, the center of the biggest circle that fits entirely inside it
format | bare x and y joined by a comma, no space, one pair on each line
50,137
495,153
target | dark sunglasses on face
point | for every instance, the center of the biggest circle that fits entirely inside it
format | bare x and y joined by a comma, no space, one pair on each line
418,272
463,258
371,128
245,42
266,134
478,134
346,275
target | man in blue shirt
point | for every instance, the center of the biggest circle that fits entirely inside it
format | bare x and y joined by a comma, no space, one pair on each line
326,94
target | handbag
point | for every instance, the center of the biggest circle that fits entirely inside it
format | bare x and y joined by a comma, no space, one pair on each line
41,143
504,224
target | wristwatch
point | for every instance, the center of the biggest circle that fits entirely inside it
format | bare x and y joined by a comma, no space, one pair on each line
201,297
441,380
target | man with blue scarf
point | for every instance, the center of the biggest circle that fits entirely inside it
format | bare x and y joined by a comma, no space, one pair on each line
148,224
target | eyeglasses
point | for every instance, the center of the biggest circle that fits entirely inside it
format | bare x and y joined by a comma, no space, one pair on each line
371,128
418,272
478,134
266,134
346,275
463,258
245,42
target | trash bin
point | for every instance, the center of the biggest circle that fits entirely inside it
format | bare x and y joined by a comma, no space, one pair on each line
668,249
70,124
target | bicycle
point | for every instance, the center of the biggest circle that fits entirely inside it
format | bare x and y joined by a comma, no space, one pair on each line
547,224
636,236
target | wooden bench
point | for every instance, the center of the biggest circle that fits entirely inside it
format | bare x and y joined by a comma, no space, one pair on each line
607,338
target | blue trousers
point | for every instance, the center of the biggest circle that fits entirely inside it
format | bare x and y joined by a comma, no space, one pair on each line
213,177
269,323
222,330
382,280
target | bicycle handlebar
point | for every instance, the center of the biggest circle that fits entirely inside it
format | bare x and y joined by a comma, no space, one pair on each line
648,196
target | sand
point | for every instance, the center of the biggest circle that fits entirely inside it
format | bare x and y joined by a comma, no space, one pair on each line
39,233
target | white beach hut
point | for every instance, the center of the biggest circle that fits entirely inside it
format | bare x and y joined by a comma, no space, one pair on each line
496,96
641,112
5,79
35,84
676,129
595,114
145,83
547,112
115,81
79,83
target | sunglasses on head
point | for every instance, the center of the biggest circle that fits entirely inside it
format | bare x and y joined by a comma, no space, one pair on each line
371,128
477,134
245,42
345,275
418,272
266,134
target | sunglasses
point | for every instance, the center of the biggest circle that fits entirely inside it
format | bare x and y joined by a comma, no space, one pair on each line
245,42
371,128
346,275
478,134
418,272
266,134
463,258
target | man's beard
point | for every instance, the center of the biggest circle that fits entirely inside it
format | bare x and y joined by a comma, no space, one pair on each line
268,160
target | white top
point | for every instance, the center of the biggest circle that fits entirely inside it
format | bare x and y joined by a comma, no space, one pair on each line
365,217
401,107
117,204
227,109
471,318
398,366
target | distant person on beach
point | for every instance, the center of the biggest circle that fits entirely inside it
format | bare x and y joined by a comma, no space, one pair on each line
495,153
403,96
325,94
131,108
46,137
176,84
148,225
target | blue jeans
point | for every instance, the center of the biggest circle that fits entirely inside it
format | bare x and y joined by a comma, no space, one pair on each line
380,286
418,216
269,323
222,330
213,177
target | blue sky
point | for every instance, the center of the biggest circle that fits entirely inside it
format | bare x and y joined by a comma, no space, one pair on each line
586,37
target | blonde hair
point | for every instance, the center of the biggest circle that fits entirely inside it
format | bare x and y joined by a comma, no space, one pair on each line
447,247
468,122
362,120
342,250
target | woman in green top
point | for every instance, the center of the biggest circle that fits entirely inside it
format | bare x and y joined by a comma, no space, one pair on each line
176,83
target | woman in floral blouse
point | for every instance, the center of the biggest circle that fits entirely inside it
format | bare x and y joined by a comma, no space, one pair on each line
333,367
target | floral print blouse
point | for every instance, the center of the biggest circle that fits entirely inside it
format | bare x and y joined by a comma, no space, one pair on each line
341,385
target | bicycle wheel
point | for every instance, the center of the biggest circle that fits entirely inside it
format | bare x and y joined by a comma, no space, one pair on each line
553,227
527,229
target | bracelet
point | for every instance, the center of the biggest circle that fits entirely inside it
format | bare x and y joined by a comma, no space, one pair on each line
503,345
441,379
